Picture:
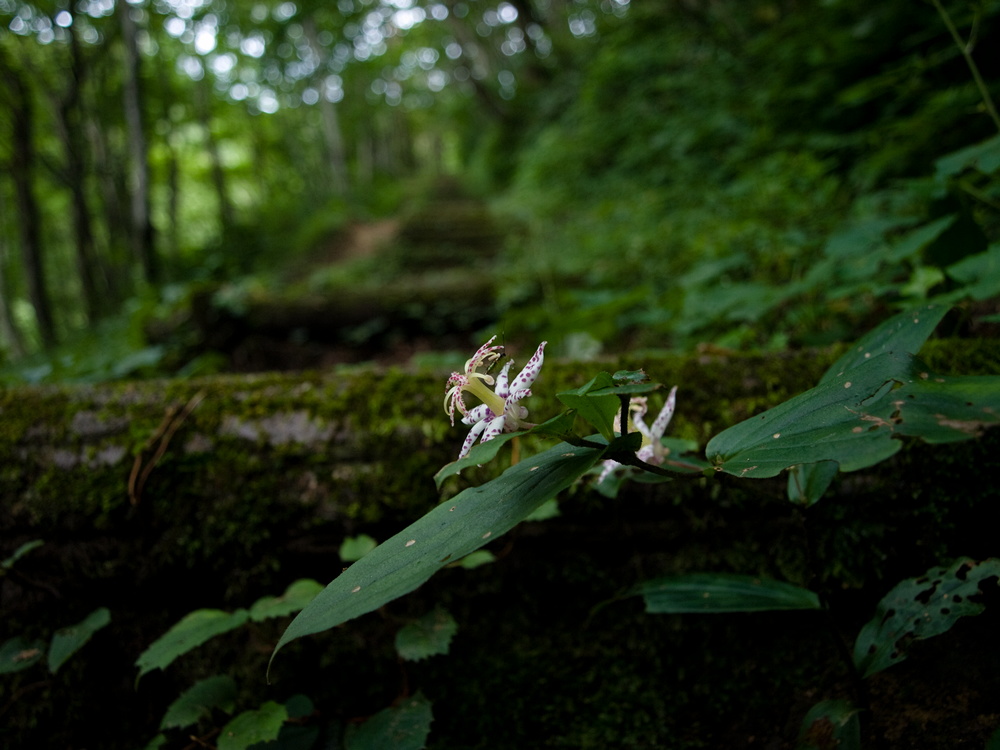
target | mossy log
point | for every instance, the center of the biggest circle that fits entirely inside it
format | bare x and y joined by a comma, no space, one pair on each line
157,498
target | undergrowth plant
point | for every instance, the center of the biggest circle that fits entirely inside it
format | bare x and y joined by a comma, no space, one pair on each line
874,397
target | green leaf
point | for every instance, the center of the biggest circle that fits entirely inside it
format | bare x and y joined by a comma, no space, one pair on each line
17,654
295,598
847,420
980,273
250,727
19,553
156,743
199,700
192,631
68,641
477,558
353,548
481,453
598,410
447,533
429,636
947,409
545,511
905,332
404,727
722,592
829,724
920,608
808,482
983,156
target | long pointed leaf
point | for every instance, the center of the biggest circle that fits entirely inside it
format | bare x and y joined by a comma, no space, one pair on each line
722,592
449,532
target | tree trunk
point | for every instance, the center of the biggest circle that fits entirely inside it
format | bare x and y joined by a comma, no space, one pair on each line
331,123
22,169
143,235
9,332
67,121
203,103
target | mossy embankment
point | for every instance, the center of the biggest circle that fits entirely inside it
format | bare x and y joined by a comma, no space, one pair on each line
158,498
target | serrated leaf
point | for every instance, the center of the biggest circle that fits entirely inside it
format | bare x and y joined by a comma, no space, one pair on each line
403,727
68,641
831,724
199,700
447,533
429,636
722,592
296,596
920,608
984,156
193,630
17,654
250,727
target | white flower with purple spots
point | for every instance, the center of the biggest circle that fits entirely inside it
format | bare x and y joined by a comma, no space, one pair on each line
500,410
651,450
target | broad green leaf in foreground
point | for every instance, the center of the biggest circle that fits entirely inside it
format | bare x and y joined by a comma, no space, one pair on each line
192,631
199,700
857,418
846,419
67,641
449,532
722,592
905,333
403,727
920,608
251,727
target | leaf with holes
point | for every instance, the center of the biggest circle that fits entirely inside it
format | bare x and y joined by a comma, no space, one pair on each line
920,608
722,592
446,534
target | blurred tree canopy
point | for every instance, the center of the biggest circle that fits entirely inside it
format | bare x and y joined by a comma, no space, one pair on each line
682,169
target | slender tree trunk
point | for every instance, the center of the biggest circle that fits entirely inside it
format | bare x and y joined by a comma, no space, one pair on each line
203,101
143,235
8,327
67,122
22,165
331,123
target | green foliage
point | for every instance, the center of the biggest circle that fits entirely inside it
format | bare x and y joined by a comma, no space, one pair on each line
192,631
429,636
405,727
68,641
721,592
198,701
260,725
920,608
449,532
